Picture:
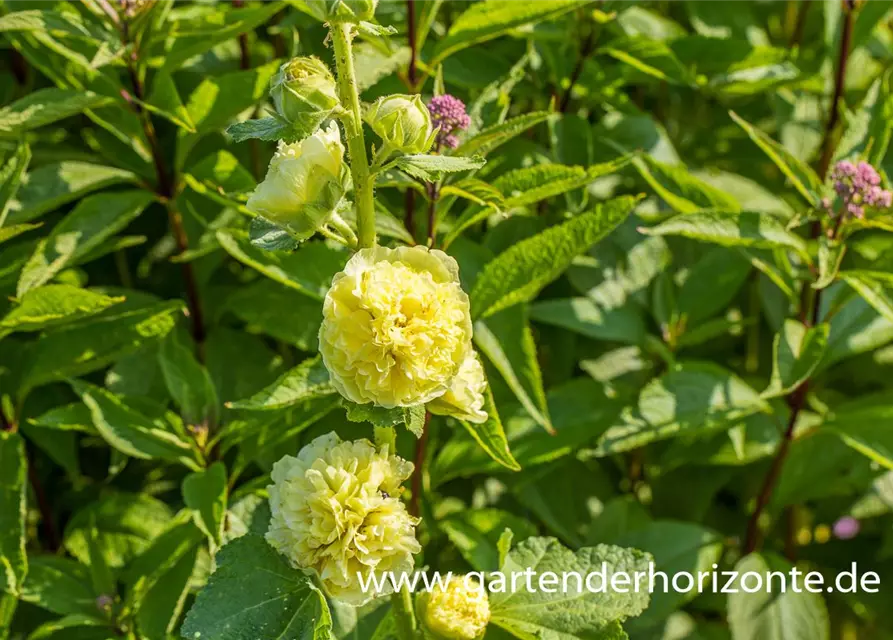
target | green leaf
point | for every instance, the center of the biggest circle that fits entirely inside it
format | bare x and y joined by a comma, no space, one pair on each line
254,589
580,411
865,425
270,129
485,21
431,167
413,418
203,32
10,232
270,308
13,471
765,615
797,352
498,134
476,533
476,191
82,231
587,318
165,101
677,547
308,380
308,270
60,585
574,613
804,179
650,57
528,185
373,63
517,275
11,176
50,186
59,24
53,305
91,345
45,106
680,189
691,397
205,492
129,431
126,523
507,341
868,133
875,287
188,383
491,436
731,229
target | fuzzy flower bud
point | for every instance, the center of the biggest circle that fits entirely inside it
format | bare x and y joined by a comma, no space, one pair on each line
459,611
403,122
341,10
304,183
465,398
304,92
396,326
449,115
859,186
336,514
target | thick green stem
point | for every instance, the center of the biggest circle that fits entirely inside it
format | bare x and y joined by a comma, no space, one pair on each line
353,125
404,616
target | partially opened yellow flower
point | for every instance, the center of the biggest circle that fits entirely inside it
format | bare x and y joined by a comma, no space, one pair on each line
465,397
336,513
460,611
396,326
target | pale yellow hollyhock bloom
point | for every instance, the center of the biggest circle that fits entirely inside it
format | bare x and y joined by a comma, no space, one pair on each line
396,326
304,183
460,611
336,513
465,398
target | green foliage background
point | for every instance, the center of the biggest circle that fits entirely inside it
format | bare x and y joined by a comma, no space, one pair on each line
657,377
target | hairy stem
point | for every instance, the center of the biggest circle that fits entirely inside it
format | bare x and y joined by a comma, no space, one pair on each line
404,616
356,143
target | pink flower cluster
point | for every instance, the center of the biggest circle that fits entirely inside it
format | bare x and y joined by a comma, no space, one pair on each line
859,186
448,113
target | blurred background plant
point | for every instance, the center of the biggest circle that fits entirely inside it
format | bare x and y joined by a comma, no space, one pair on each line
709,380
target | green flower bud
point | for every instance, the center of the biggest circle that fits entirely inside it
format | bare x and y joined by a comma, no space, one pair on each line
304,183
304,93
341,10
403,122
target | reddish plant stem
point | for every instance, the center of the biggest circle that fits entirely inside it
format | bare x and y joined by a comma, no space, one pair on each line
244,51
800,24
752,539
585,51
411,72
809,313
166,190
412,79
846,37
433,196
421,451
46,513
